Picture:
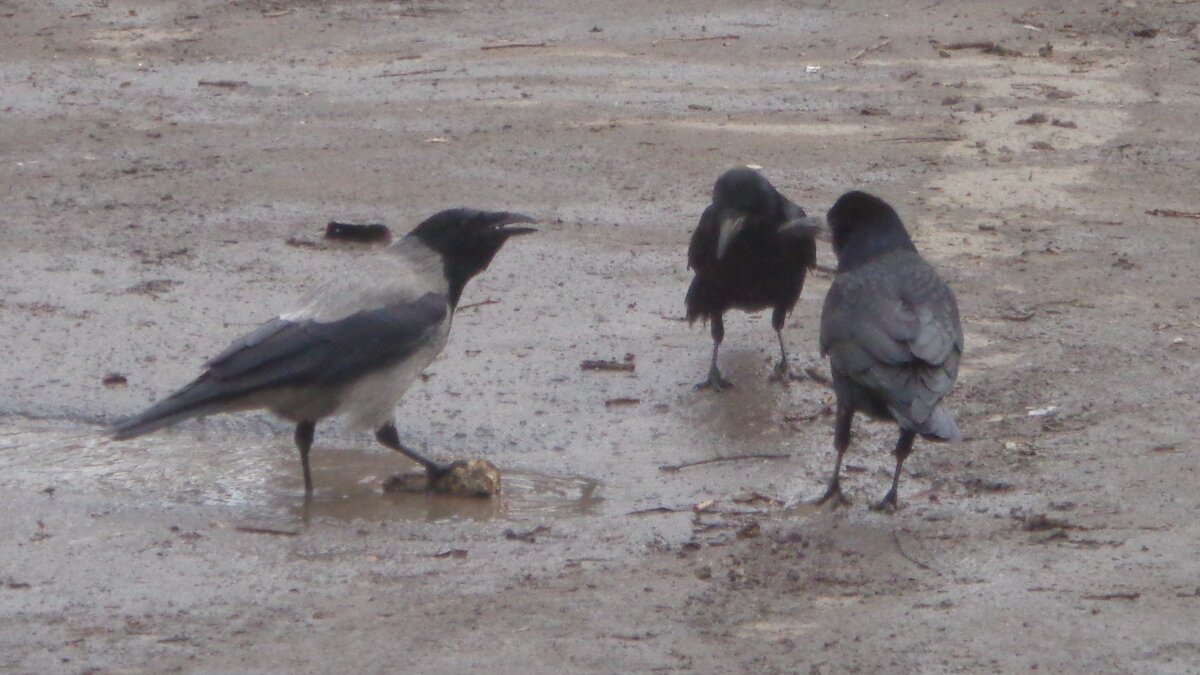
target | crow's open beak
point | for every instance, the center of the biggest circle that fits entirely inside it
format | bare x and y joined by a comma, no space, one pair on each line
506,219
808,226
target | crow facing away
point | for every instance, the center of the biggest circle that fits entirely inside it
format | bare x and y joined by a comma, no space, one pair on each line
891,330
354,345
744,260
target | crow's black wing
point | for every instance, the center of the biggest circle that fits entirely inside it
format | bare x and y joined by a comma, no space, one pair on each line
296,353
702,251
284,352
800,249
892,326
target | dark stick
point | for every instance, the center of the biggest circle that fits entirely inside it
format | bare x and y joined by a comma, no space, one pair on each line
918,563
515,45
427,71
672,468
266,530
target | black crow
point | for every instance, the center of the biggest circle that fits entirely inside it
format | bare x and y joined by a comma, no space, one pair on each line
891,331
355,344
743,260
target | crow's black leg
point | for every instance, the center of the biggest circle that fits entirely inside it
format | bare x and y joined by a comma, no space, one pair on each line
903,449
714,379
304,440
841,441
781,369
388,437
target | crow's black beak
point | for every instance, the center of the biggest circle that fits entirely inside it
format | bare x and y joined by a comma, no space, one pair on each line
504,220
815,227
729,228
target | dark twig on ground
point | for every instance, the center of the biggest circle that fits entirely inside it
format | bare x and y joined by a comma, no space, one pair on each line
1173,213
702,38
918,563
613,365
672,468
515,45
481,303
426,71
867,50
267,530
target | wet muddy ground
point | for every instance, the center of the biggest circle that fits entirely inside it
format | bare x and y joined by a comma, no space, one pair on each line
168,169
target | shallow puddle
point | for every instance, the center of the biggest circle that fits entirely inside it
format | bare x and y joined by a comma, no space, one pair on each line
348,481
522,495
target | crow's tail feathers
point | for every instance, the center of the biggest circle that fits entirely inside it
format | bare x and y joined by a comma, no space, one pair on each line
940,426
200,398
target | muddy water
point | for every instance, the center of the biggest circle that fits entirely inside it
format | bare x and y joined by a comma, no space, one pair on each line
524,496
265,482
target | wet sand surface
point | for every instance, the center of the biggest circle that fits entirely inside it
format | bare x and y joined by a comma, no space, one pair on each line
168,170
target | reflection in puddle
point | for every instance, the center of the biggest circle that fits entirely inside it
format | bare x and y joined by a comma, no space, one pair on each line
746,411
523,495
261,478
349,486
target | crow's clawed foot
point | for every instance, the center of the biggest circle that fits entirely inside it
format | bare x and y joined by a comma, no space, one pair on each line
889,503
463,478
833,495
714,382
782,372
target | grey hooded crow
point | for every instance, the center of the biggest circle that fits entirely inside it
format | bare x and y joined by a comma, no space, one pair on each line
354,345
891,331
744,259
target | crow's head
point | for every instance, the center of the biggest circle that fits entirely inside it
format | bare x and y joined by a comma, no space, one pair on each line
468,240
742,198
746,191
863,226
